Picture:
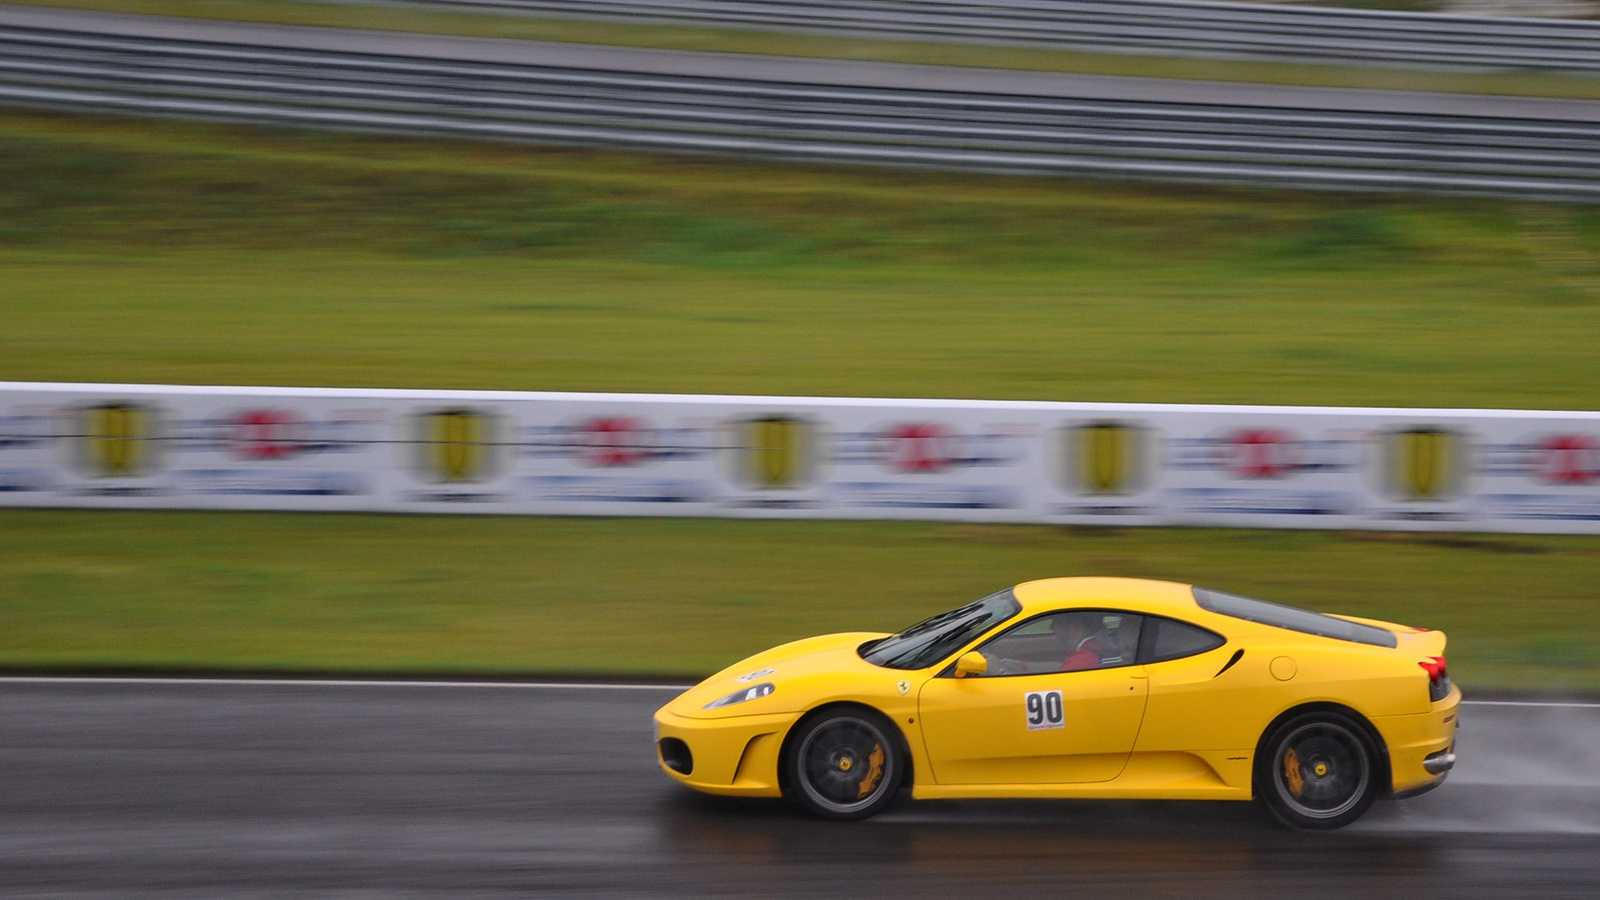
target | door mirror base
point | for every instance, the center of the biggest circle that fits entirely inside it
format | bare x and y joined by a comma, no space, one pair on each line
973,663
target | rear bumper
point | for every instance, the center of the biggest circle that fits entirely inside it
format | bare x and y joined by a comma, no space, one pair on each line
1421,747
735,756
1438,765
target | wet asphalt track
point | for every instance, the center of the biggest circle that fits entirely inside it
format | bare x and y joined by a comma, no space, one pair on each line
326,790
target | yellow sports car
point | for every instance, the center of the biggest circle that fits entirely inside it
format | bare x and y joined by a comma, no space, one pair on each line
1081,687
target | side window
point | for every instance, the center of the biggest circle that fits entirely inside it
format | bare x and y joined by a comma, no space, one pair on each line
1171,639
1065,642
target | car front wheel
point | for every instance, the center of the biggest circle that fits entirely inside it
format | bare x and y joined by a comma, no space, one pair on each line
1317,771
843,764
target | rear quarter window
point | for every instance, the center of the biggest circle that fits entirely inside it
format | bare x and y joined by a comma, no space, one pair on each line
1171,639
1292,618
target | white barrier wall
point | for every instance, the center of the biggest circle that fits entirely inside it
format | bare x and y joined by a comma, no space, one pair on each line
161,446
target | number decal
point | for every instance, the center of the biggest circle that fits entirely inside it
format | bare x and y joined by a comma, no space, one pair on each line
1044,710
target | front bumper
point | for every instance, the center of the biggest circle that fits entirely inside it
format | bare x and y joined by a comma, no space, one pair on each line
734,756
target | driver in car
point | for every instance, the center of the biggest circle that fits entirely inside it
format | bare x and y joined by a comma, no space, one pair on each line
1083,650
1077,648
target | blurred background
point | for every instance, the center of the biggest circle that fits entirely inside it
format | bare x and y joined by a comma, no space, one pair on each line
168,249
1087,201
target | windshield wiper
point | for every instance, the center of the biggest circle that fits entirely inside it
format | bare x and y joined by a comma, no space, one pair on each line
961,629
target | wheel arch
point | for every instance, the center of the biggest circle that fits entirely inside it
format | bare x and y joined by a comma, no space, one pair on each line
1384,774
906,777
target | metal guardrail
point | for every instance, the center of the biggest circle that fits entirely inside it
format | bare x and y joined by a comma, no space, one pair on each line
1534,149
1167,27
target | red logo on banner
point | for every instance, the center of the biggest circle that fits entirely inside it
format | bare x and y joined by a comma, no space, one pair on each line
266,434
613,441
1262,453
1569,459
919,447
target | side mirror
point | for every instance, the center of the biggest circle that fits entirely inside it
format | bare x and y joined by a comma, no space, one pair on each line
971,664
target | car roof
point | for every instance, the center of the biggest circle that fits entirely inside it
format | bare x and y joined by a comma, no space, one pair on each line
1132,594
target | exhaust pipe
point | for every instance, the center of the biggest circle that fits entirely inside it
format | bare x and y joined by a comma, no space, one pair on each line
1441,762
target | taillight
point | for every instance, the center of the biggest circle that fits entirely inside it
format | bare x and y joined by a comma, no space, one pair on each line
1438,677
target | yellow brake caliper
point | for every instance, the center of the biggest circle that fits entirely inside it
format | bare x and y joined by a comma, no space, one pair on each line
1291,773
874,771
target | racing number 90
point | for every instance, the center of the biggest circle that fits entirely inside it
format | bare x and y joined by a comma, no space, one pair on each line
1044,710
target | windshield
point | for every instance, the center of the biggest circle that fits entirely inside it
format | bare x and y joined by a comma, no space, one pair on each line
926,643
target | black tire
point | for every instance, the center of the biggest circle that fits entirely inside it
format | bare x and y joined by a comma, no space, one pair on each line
1318,771
843,764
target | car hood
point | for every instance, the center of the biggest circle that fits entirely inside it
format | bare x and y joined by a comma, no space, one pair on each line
799,671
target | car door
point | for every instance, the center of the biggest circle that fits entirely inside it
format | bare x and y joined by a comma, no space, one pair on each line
1201,698
1028,722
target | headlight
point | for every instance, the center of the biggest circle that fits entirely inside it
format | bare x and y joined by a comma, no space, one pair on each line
741,695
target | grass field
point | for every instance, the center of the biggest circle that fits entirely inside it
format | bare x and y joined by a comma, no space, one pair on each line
140,252
284,592
674,37
136,252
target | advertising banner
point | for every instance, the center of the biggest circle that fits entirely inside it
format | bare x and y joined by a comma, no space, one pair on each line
174,447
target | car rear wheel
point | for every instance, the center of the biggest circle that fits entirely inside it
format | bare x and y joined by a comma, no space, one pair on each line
1318,771
843,764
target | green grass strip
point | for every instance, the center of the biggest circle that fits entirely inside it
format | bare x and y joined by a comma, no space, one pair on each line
304,592
192,254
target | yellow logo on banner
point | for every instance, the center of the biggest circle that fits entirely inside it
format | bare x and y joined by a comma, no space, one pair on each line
456,444
116,438
1107,455
1425,463
775,451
